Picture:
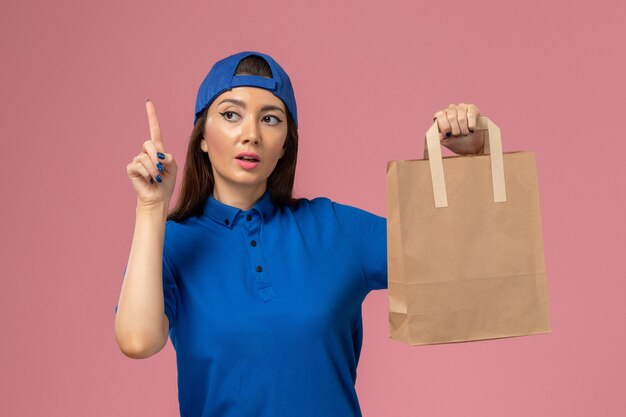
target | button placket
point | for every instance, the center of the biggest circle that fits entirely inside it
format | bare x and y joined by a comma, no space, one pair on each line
253,226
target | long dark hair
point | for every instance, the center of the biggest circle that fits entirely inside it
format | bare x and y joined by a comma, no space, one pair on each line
198,181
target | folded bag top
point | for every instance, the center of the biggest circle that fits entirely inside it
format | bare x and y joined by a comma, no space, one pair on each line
492,146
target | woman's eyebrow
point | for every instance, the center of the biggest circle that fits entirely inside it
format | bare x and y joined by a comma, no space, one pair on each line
243,104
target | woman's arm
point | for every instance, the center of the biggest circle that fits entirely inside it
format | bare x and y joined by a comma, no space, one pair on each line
141,326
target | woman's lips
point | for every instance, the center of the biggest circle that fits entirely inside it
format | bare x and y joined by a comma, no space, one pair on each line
247,164
248,160
249,155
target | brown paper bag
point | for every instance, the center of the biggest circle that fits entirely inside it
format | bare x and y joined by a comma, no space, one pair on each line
465,246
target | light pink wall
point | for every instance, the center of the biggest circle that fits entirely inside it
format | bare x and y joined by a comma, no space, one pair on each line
368,77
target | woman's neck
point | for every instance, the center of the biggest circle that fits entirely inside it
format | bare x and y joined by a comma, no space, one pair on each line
243,198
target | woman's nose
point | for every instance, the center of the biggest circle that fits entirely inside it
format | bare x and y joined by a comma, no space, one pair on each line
250,130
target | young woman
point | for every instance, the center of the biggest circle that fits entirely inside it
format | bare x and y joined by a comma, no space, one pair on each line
259,292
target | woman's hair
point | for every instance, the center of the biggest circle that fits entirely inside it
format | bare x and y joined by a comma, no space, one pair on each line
198,181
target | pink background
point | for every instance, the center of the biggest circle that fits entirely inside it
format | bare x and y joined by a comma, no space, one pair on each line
368,78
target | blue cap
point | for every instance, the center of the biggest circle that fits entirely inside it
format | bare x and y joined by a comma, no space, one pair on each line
222,77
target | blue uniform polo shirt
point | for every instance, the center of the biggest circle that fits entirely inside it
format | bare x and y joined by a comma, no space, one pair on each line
264,306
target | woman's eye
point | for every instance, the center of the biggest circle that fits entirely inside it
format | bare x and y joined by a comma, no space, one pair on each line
269,118
228,115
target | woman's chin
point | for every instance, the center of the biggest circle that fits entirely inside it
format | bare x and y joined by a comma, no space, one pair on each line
249,179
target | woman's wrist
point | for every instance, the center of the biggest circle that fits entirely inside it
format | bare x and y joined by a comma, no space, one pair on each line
158,209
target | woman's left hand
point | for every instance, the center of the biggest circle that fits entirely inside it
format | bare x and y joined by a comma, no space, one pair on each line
457,124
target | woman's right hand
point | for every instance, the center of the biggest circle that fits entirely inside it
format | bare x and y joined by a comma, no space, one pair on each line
145,167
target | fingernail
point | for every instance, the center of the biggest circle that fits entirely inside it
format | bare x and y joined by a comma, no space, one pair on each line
158,177
448,134
151,181
159,167
160,155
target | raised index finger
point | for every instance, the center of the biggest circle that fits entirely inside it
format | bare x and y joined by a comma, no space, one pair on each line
155,129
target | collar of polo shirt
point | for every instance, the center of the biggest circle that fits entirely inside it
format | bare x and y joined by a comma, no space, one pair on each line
227,215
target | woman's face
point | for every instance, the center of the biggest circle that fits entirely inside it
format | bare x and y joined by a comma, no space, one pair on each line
244,119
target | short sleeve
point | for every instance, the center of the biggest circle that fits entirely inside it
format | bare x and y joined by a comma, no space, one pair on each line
170,291
367,232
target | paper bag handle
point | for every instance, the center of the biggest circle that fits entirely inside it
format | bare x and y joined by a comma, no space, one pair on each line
492,147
